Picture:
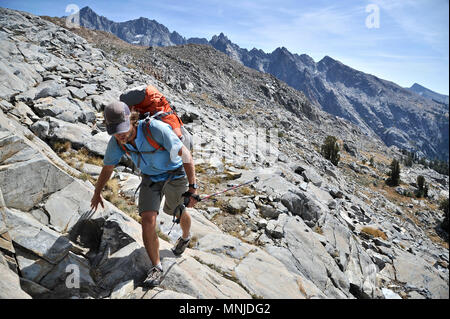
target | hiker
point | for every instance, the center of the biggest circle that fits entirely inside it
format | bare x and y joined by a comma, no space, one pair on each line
166,170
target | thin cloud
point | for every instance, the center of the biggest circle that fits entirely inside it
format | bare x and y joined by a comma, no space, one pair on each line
419,20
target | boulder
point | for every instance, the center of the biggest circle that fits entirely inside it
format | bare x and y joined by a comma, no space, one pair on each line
30,172
220,262
31,266
159,293
236,205
61,131
65,206
389,294
200,225
40,128
16,77
274,229
220,243
50,88
72,274
77,93
414,270
266,277
305,204
188,276
355,262
35,237
269,211
313,261
61,108
310,175
10,285
97,143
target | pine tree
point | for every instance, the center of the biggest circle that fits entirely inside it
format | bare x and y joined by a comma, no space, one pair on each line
444,206
422,187
394,174
330,150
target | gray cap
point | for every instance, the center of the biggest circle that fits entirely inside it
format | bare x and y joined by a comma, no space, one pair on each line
117,118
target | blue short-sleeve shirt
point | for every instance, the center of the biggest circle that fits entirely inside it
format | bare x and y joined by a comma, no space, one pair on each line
156,164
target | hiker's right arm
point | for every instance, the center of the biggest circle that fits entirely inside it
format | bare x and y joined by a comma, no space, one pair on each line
101,182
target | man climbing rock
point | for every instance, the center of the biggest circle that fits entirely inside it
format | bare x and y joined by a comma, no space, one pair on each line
166,167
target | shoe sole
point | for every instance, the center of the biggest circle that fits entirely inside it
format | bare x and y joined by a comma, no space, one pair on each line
152,284
179,254
175,253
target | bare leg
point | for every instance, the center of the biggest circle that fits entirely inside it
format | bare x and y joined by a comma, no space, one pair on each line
185,223
149,236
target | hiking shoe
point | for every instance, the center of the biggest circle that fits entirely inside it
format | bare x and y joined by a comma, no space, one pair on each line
153,277
180,246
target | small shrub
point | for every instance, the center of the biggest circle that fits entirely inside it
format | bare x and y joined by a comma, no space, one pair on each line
330,150
372,161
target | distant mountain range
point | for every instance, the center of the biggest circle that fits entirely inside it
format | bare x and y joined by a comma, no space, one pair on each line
415,119
427,93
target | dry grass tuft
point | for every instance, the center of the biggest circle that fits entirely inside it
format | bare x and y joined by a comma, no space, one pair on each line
60,147
193,242
113,185
301,287
220,203
162,235
246,191
318,230
374,232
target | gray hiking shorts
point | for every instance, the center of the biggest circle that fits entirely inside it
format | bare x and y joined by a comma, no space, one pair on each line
151,193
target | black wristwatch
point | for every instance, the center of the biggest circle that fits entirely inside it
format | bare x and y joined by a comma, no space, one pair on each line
194,186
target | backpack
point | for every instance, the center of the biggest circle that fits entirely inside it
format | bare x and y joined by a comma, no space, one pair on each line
152,105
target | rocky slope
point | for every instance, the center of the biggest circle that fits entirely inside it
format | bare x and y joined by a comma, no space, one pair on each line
307,229
398,116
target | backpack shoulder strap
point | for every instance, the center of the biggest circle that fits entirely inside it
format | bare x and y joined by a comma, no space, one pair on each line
148,134
126,150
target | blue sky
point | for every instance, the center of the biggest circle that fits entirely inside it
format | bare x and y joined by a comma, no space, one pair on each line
409,45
